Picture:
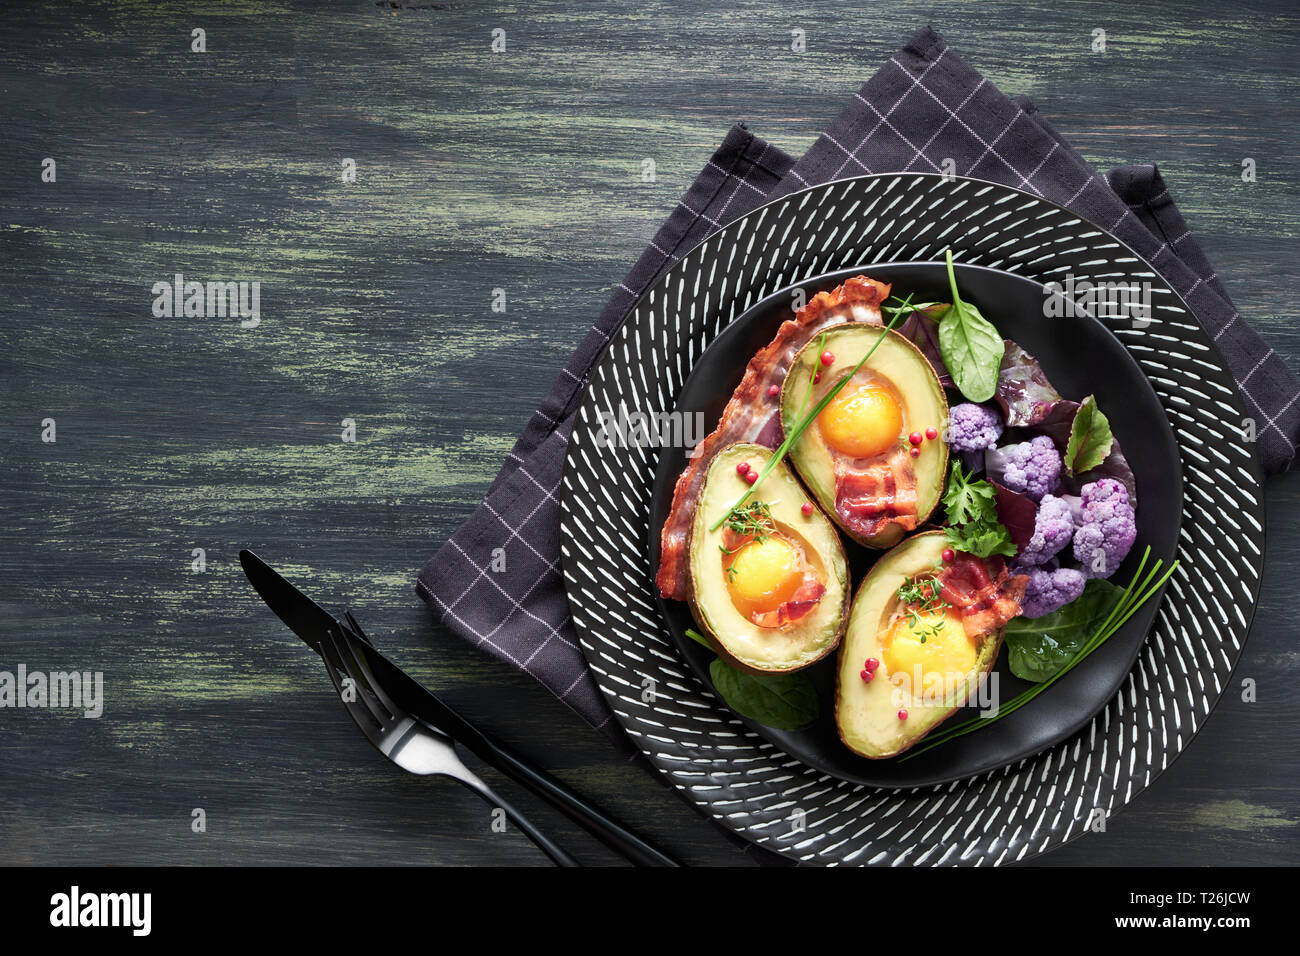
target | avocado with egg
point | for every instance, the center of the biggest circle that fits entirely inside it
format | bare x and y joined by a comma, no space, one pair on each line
856,456
922,666
769,587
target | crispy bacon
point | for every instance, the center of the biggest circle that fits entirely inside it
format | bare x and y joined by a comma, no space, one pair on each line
751,415
983,590
803,600
873,493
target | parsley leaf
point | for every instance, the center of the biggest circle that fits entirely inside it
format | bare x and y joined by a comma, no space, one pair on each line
973,524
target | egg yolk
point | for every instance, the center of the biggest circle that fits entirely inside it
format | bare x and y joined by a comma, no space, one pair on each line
935,642
763,575
864,419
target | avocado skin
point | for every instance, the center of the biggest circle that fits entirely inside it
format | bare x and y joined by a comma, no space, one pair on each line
906,367
834,561
919,551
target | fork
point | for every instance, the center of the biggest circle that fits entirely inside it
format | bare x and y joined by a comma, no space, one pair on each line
413,744
406,695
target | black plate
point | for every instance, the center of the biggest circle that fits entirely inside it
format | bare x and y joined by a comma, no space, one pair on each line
1081,357
730,772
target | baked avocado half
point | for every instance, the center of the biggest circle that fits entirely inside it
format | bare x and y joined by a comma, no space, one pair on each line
769,587
856,457
923,666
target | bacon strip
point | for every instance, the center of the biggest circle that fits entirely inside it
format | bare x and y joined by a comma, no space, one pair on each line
803,601
983,590
873,493
751,415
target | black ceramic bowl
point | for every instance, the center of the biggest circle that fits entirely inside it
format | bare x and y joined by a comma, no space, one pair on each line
1080,357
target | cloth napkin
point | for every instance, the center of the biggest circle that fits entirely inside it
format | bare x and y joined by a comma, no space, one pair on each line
924,106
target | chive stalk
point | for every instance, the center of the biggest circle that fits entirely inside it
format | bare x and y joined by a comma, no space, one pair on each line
1133,597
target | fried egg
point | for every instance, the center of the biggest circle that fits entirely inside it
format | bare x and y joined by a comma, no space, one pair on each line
928,648
770,579
763,575
864,419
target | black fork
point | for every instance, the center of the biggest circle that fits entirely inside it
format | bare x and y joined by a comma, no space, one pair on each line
411,743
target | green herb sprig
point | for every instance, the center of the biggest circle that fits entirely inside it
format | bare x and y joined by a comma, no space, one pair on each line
906,308
973,524
1132,598
805,420
754,520
922,594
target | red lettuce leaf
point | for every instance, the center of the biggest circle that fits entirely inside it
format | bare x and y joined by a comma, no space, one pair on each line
1057,426
920,328
1024,394
1017,512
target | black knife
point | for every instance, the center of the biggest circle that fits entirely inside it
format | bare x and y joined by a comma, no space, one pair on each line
311,622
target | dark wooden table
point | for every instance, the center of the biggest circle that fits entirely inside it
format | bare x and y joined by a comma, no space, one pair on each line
474,171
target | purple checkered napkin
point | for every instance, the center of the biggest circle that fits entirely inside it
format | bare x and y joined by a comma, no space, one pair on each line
925,106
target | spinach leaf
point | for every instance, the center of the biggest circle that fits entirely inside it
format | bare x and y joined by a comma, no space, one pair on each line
1037,648
1090,438
971,347
783,701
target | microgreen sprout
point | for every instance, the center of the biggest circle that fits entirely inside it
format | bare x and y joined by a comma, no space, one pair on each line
923,595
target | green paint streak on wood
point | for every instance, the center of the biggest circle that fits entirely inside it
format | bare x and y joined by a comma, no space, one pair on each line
1239,815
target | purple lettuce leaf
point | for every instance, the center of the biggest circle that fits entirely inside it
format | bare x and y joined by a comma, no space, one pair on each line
1057,425
920,328
1017,512
1024,394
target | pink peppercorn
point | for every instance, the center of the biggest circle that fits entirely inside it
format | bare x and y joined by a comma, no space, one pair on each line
932,433
828,359
915,438
751,477
915,452
742,469
867,676
773,391
807,509
949,555
902,715
872,664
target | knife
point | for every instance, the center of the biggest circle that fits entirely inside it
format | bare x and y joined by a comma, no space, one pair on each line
311,622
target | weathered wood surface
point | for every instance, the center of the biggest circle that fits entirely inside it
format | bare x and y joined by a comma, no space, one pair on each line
475,171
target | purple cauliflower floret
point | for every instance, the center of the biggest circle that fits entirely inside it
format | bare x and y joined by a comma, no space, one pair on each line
1053,528
1032,468
1050,591
1107,527
973,427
